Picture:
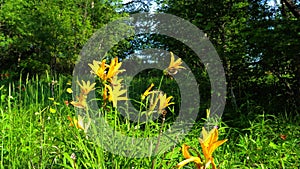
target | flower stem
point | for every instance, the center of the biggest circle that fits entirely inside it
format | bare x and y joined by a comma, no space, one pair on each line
158,138
161,79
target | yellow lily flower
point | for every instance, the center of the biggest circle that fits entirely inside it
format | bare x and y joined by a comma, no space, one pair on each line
209,144
86,87
79,123
174,65
115,92
147,92
189,158
164,101
81,103
99,68
95,66
114,68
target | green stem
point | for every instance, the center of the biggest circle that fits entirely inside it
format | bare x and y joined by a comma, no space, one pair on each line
159,136
161,79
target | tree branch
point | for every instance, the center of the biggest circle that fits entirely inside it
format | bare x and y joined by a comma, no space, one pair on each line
292,7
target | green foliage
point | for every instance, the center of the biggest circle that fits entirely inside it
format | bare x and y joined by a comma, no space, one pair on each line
48,35
260,59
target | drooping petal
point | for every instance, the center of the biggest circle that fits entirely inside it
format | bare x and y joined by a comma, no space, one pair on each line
74,122
185,151
81,101
215,145
191,159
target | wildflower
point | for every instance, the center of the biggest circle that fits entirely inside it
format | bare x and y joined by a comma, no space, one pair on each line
115,92
79,123
73,156
81,103
99,68
52,110
95,66
51,98
86,87
114,68
174,65
209,144
189,158
53,82
164,101
283,137
146,93
66,102
69,90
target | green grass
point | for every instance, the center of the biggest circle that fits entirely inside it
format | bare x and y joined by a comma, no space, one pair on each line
33,137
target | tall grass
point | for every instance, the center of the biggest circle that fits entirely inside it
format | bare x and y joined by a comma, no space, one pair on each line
34,136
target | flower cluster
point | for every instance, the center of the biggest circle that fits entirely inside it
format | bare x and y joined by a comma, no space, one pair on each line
113,90
209,143
104,71
155,98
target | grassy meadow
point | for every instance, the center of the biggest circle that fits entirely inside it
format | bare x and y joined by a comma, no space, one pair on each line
36,133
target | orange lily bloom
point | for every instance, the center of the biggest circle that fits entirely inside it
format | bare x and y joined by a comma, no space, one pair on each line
99,68
114,68
174,65
210,143
189,158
